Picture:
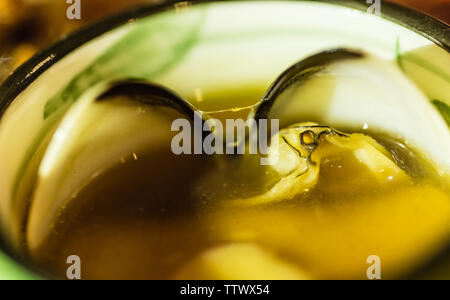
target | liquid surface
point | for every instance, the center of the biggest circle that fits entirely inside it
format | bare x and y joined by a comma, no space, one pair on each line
161,216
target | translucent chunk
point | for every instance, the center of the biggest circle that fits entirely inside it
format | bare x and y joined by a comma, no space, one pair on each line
242,261
301,151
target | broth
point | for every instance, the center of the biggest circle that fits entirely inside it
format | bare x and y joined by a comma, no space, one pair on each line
162,216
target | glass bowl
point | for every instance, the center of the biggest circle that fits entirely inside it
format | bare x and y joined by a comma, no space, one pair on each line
195,50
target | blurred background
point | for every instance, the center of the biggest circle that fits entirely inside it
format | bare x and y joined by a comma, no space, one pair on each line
26,26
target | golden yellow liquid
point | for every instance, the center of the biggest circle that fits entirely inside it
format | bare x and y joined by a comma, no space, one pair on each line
169,217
